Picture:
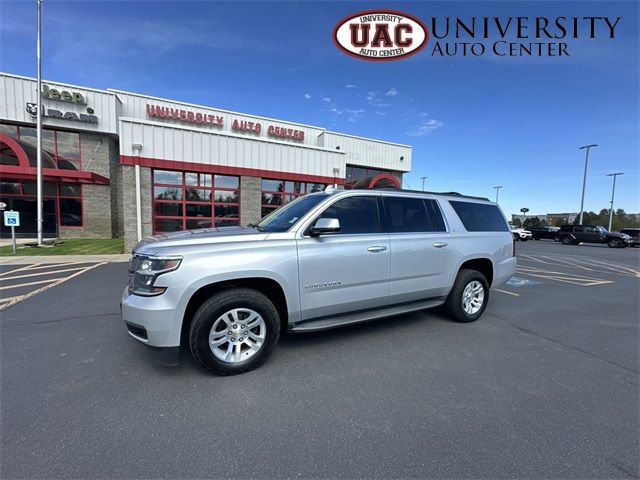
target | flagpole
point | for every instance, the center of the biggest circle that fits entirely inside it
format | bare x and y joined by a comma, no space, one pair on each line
39,220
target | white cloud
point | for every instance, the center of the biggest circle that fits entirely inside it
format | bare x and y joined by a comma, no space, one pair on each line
353,115
392,92
425,127
307,96
326,99
349,85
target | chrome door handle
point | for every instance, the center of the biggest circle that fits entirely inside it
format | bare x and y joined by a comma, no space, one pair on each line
440,244
377,248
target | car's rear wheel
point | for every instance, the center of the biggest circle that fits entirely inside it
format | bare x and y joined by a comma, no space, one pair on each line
614,243
468,297
234,331
566,240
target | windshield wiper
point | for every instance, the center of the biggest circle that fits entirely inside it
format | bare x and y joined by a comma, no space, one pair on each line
255,225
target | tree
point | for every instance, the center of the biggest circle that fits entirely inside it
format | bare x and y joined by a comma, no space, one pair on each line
532,222
517,222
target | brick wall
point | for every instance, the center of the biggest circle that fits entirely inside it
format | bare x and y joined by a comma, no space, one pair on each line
97,151
250,199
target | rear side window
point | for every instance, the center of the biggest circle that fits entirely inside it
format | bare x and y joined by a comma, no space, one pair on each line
480,217
356,214
407,214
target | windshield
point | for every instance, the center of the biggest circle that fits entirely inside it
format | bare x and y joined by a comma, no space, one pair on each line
286,217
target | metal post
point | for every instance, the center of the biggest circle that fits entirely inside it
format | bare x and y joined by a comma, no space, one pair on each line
584,179
423,179
39,220
497,191
613,192
13,239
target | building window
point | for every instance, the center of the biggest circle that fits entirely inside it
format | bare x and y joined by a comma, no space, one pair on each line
67,197
62,147
353,174
190,200
276,193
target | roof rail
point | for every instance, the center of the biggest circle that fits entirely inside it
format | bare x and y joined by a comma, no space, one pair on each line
450,194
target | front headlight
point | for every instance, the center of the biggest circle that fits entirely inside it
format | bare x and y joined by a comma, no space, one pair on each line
143,271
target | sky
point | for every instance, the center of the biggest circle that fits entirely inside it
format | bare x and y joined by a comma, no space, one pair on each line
473,122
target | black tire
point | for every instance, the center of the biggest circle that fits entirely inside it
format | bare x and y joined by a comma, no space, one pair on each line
524,239
536,238
614,243
454,300
566,240
216,306
516,237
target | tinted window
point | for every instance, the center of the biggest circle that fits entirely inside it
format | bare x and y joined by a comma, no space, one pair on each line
480,217
356,214
408,214
435,216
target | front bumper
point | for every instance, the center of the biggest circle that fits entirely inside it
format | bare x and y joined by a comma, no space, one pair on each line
154,321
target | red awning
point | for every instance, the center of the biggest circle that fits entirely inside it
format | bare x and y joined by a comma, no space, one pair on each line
24,170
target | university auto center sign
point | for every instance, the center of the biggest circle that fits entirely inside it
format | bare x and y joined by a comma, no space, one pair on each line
385,35
210,120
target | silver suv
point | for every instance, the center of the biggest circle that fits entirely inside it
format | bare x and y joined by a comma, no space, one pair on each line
325,260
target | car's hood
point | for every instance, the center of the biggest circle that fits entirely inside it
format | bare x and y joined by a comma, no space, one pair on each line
152,245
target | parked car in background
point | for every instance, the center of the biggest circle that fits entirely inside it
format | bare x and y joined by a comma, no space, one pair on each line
519,233
575,234
545,232
634,233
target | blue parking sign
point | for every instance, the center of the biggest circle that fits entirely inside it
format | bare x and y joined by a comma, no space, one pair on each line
11,219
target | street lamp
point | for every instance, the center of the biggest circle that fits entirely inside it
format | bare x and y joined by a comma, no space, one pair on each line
613,192
498,187
584,180
423,179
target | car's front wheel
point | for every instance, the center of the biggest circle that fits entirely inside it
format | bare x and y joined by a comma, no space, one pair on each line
468,297
614,243
234,331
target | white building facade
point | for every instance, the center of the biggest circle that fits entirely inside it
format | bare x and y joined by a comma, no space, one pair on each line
123,164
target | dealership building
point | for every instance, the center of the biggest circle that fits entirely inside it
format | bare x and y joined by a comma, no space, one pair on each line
121,164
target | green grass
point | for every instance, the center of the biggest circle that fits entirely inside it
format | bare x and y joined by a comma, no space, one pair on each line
71,246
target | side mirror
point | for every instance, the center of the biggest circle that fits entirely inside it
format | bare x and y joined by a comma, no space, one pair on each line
325,225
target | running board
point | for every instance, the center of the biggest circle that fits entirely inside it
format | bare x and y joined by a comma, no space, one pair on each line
364,316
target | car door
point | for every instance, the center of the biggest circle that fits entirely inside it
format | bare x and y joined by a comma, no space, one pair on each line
578,233
420,252
349,270
592,235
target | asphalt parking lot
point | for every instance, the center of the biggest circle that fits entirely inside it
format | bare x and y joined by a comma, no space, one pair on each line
544,385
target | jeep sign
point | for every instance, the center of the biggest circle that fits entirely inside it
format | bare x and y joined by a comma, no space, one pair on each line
62,95
380,35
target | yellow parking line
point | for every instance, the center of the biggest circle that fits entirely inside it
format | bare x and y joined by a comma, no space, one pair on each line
533,258
508,293
567,263
38,266
56,282
42,273
611,266
560,277
26,267
28,284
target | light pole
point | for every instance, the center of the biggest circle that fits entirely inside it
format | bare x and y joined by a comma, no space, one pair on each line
584,179
39,221
498,187
423,179
613,192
